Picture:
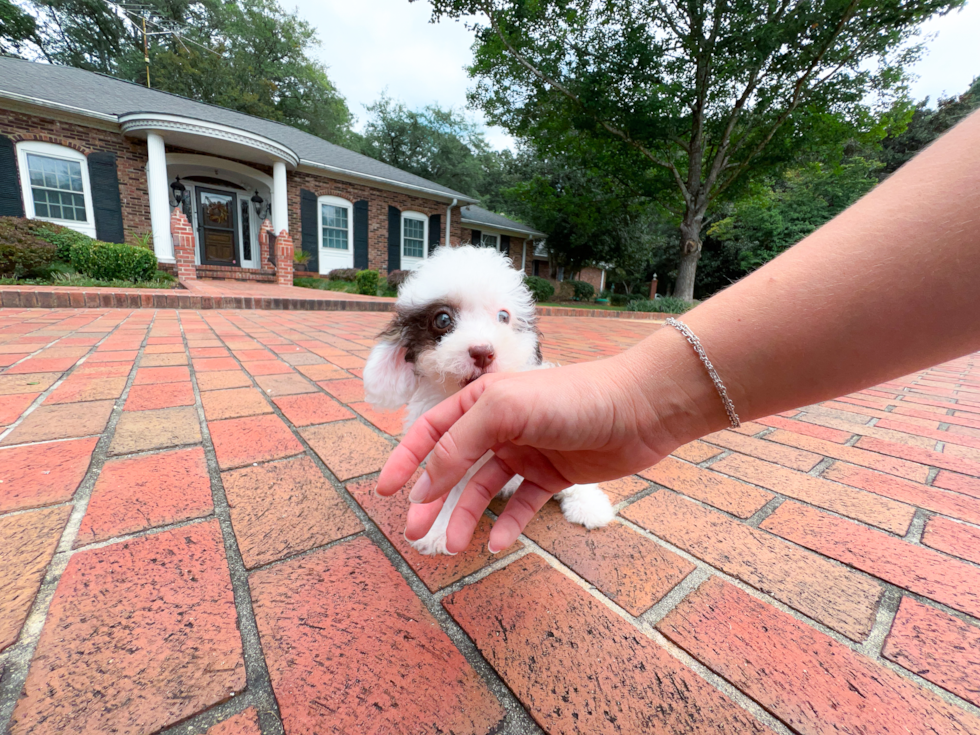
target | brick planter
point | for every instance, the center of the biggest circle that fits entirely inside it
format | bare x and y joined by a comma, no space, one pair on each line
183,237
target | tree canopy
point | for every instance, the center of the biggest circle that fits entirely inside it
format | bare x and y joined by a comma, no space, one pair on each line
680,100
247,55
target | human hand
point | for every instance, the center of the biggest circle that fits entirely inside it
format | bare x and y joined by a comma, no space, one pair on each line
583,423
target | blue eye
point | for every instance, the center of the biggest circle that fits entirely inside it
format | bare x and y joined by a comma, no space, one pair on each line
503,317
443,322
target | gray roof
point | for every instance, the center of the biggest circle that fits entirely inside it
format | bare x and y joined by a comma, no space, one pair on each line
473,214
101,96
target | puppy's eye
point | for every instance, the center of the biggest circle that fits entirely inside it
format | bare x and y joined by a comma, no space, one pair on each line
443,322
503,317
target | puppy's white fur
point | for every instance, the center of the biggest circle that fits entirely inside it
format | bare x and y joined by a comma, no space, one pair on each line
415,366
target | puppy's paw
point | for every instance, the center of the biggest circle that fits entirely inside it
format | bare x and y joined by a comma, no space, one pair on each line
586,505
431,544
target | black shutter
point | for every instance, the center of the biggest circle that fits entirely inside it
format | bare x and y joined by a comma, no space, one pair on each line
307,226
10,202
477,238
505,245
104,179
435,224
361,234
394,239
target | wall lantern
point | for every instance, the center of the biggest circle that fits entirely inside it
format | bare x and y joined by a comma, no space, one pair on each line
178,190
257,202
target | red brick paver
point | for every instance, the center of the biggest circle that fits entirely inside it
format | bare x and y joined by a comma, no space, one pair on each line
822,564
339,665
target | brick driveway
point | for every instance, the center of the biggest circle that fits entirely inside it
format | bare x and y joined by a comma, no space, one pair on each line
190,544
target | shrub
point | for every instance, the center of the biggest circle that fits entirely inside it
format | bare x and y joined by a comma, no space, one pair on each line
397,278
583,291
63,239
565,291
618,299
26,261
367,282
540,288
664,305
343,274
24,253
106,261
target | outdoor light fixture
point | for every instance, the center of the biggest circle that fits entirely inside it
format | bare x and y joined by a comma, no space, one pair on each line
257,202
178,190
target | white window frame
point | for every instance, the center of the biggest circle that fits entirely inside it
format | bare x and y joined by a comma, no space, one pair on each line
496,240
335,202
412,262
50,150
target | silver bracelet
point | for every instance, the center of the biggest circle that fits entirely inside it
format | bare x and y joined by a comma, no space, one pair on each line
712,373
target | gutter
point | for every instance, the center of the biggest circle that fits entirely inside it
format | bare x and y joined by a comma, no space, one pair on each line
492,226
449,218
58,106
381,179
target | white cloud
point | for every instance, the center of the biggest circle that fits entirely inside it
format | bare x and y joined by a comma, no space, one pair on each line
373,45
953,58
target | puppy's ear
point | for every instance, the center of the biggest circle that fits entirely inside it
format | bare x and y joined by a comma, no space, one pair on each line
389,381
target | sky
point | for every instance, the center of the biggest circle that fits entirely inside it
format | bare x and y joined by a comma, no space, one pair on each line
375,45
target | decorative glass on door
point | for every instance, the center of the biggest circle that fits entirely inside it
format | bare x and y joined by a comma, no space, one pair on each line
216,219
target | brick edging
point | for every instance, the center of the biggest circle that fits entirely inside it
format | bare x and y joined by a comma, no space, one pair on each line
181,299
103,299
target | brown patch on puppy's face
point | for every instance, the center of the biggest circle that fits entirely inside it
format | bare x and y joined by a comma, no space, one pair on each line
420,328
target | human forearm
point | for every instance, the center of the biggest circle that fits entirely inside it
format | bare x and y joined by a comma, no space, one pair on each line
889,286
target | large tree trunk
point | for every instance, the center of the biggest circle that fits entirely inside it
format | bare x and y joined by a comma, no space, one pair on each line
690,254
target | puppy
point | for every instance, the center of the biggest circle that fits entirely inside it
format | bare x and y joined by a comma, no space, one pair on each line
463,313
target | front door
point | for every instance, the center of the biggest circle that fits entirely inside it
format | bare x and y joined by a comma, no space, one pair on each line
217,226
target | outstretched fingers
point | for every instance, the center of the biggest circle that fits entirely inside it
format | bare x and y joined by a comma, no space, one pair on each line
521,508
454,435
479,491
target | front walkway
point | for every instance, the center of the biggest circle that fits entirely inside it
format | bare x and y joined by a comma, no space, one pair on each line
188,534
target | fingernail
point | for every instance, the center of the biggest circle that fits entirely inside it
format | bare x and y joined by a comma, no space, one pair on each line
421,489
491,549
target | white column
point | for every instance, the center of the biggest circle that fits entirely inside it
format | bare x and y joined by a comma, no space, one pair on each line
158,186
280,201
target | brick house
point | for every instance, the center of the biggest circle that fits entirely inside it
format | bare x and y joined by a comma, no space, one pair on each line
112,159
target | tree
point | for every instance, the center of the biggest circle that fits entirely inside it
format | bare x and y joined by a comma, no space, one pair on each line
434,143
247,55
17,29
777,216
683,99
925,125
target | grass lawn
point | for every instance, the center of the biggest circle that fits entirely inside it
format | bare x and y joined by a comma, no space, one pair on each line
162,280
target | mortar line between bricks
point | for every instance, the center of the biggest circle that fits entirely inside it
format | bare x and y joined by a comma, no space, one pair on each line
656,638
258,685
517,720
37,402
18,657
5,370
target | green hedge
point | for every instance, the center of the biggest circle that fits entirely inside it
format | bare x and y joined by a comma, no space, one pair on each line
663,305
367,282
541,289
583,291
109,261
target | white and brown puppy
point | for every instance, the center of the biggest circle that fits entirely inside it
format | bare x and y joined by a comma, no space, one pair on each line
463,313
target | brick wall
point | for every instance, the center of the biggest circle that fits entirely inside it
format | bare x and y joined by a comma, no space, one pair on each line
130,157
378,202
131,168
592,276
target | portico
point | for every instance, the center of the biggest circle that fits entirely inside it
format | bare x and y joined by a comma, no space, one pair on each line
224,198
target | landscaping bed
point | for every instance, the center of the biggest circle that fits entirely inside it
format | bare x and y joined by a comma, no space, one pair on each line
38,253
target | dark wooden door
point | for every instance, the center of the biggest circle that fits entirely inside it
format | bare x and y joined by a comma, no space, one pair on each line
217,226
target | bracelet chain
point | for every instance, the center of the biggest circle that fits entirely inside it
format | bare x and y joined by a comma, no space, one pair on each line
712,373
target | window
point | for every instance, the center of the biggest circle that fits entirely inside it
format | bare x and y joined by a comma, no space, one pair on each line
335,224
489,241
55,185
415,228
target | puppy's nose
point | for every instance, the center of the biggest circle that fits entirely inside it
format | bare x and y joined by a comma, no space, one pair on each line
482,355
